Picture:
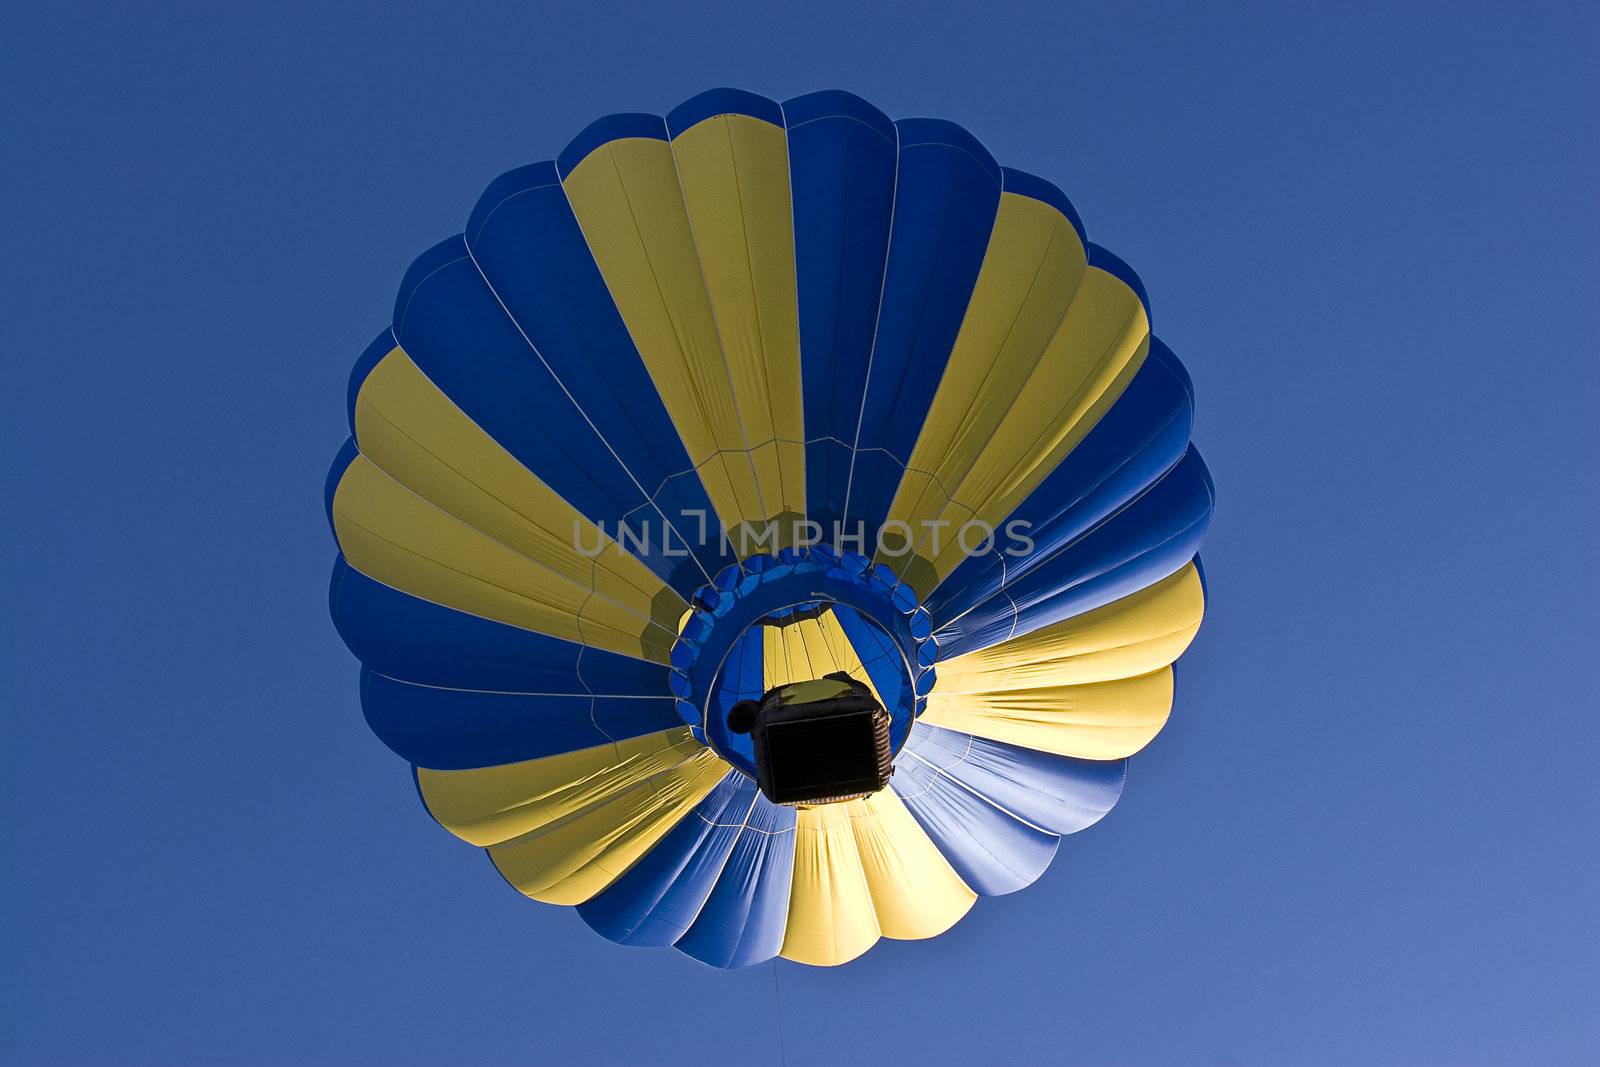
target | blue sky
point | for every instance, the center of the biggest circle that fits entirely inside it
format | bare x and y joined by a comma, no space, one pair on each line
1367,834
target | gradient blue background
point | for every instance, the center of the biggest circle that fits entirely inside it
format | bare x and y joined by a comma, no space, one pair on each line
1368,833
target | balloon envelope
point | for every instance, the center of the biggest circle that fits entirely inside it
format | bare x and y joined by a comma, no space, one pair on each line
744,396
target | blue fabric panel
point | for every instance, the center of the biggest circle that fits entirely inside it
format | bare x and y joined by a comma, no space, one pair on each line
1139,439
527,242
830,104
453,729
842,176
1147,540
744,673
341,462
1056,793
743,920
451,324
609,128
878,654
993,852
947,192
723,101
657,900
743,677
416,640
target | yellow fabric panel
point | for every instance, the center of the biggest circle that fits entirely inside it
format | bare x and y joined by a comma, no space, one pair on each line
831,916
392,535
1030,272
626,197
572,859
810,648
1100,720
915,891
416,435
1096,350
734,172
864,869
1140,633
488,805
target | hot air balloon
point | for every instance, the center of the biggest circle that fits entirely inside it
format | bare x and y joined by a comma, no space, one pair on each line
768,528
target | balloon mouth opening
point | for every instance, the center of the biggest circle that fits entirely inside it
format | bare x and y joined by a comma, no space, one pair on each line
795,617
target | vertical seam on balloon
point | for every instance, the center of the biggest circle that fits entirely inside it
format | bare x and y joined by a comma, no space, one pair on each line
723,866
968,419
594,703
650,497
989,801
1082,579
577,665
592,592
965,752
840,661
804,652
468,256
461,522
497,622
1168,469
877,320
1081,393
649,501
973,509
573,400
738,825
1131,454
755,303
974,838
990,666
1004,579
525,693
799,352
697,399
716,326
1043,558
1065,802
467,479
744,827
652,783
900,384
683,863
1119,510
